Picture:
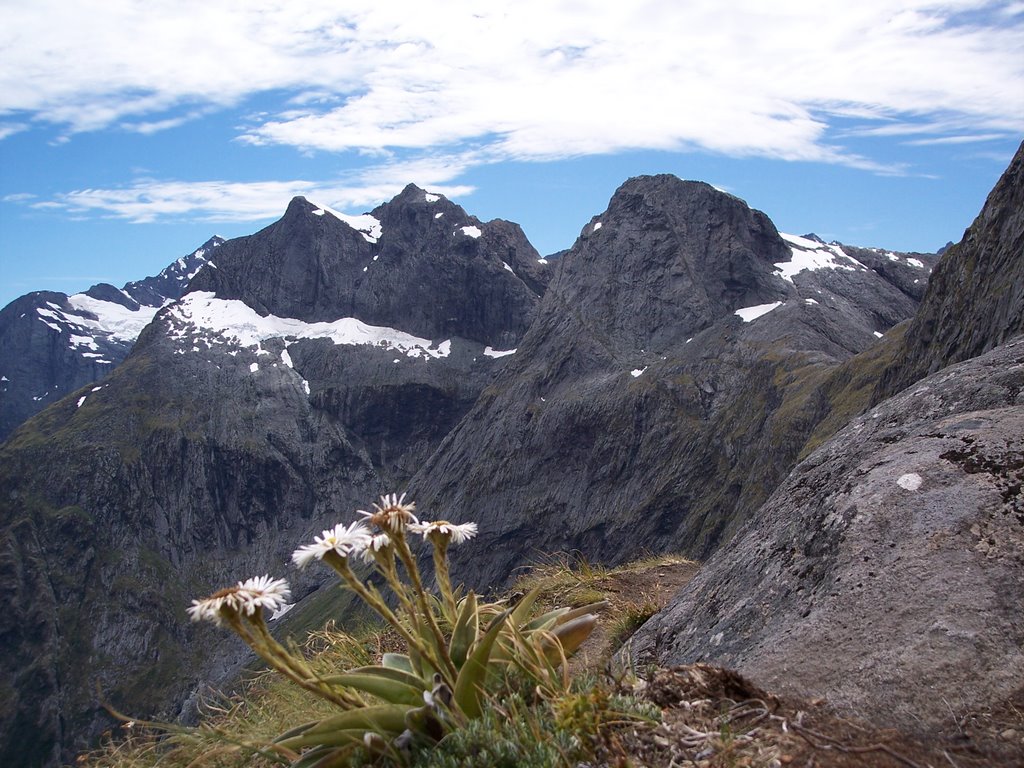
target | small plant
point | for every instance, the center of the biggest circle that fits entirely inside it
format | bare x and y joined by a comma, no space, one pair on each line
631,617
459,650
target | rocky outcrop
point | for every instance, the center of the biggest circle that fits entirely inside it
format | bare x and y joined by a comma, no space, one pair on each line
886,573
52,344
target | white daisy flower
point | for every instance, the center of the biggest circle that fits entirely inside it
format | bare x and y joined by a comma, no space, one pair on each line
209,608
377,542
344,541
392,514
263,592
457,534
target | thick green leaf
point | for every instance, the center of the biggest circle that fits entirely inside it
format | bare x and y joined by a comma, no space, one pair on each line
325,757
309,758
338,758
521,610
385,718
398,675
545,620
583,610
398,661
466,629
381,686
469,687
323,741
297,730
561,615
569,635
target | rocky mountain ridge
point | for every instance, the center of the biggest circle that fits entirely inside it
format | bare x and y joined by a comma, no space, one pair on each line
667,385
52,344
647,392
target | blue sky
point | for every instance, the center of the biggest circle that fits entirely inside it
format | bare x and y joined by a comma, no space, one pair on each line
132,131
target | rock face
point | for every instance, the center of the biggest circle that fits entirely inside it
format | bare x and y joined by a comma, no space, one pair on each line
887,572
656,401
52,344
975,298
232,433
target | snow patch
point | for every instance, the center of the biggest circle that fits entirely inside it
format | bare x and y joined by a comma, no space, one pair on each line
279,612
473,232
305,386
83,341
636,372
236,323
878,334
439,215
542,261
286,358
506,266
112,320
597,226
81,400
491,352
430,197
910,481
365,224
812,255
810,301
254,367
749,314
915,263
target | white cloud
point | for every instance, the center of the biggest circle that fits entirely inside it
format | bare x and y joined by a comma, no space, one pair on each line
149,200
527,79
9,129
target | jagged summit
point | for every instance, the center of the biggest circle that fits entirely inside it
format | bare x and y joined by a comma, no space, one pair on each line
695,253
418,263
663,389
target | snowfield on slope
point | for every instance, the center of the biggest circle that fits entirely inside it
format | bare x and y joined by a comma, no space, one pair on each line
238,323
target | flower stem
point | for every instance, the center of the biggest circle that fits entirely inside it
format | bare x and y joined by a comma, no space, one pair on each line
421,597
444,582
374,601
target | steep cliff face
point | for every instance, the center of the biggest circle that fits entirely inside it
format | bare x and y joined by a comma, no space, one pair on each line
975,298
233,432
667,385
52,344
887,572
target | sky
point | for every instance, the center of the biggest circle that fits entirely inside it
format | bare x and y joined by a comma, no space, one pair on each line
132,131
